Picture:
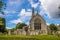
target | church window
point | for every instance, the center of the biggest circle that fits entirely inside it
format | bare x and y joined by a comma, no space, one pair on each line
37,24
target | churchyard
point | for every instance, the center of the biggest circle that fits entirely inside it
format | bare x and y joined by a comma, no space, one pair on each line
38,29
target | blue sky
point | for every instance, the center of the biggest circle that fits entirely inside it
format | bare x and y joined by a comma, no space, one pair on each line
20,11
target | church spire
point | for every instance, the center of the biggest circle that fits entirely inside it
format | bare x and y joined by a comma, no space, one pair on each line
37,13
32,12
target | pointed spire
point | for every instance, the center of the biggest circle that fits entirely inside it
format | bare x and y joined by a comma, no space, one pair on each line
37,13
32,12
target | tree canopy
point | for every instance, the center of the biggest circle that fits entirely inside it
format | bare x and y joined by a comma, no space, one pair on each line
20,25
53,27
2,20
2,24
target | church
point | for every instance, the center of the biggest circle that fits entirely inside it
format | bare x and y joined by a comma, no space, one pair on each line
36,26
37,23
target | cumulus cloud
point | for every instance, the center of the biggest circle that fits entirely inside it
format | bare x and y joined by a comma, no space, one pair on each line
1,15
15,2
22,16
16,21
51,7
25,13
48,23
12,6
35,5
8,27
10,11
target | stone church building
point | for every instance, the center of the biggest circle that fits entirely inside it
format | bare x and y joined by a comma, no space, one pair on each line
36,26
37,23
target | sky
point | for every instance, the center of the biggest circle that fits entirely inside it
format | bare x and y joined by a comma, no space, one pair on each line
21,10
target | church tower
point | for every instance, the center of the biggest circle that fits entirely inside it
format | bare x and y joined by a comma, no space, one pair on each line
32,12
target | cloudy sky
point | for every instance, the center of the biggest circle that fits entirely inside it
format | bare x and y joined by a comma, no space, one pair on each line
20,11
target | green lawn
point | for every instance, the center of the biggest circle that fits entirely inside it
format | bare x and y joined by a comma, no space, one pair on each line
33,37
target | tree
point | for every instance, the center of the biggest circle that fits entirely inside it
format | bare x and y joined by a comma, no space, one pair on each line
2,25
12,30
20,25
2,20
53,28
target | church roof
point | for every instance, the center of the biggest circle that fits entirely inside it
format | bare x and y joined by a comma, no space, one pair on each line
37,15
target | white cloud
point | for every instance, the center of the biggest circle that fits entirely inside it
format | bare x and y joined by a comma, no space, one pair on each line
22,16
27,23
48,23
15,2
42,11
9,11
51,7
8,28
16,21
57,24
24,13
1,15
35,5
29,10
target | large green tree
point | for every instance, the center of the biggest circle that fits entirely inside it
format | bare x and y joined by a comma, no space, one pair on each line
2,20
2,25
20,25
53,27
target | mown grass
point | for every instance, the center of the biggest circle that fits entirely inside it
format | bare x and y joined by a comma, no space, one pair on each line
33,37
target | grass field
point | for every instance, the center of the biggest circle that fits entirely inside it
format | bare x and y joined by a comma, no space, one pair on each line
33,37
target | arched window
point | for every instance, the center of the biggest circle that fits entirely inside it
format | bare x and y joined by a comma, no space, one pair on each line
37,24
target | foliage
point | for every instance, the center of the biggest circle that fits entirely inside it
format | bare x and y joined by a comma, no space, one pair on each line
53,27
2,20
2,25
13,29
20,25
